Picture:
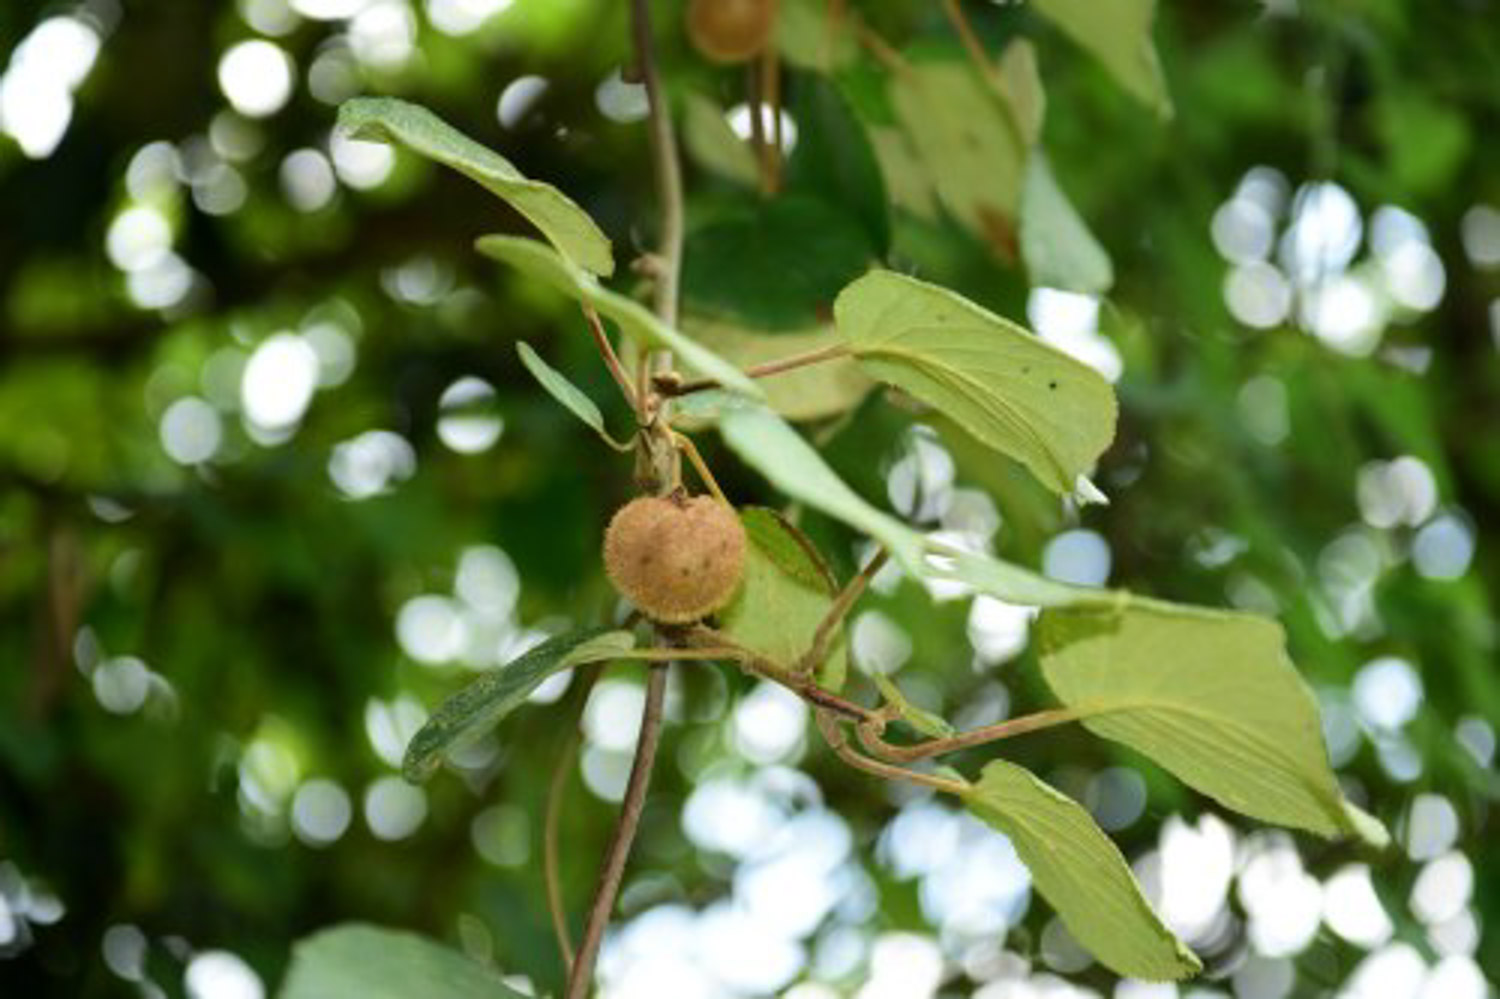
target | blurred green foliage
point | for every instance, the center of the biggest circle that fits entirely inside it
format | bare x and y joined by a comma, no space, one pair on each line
187,642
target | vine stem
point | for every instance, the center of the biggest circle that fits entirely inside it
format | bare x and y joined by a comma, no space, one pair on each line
776,367
667,272
612,361
839,610
870,735
834,736
581,976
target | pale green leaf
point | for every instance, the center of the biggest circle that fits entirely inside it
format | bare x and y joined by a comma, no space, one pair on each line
567,226
784,594
905,175
1081,873
811,35
542,263
770,446
766,443
1005,386
1056,244
712,143
972,151
1211,696
1118,34
807,393
481,705
565,392
922,720
1021,82
369,962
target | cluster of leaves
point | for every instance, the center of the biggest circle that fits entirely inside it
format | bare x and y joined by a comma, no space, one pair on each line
246,582
1211,696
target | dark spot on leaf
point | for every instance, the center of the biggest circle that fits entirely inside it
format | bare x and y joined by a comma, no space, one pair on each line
1052,384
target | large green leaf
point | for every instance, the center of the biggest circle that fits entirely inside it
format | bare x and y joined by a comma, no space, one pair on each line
481,705
1081,872
570,396
785,593
1011,390
1211,696
541,262
972,151
356,959
1056,244
807,393
776,263
1118,34
567,226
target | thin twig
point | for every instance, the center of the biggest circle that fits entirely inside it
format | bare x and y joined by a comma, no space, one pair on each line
687,447
706,639
612,360
837,611
837,742
870,735
971,43
581,976
665,165
765,370
565,761
770,76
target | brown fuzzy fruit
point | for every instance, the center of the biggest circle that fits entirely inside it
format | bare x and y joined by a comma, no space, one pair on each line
676,558
731,30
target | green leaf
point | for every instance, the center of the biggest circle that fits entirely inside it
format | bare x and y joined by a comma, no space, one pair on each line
922,720
1056,244
481,705
1009,389
807,393
785,593
809,37
1211,696
774,264
356,959
542,263
567,226
905,175
565,392
778,452
1021,83
712,143
833,161
1118,34
972,152
1081,873
767,444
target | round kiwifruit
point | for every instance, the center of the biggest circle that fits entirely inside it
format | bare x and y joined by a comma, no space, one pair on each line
731,30
677,558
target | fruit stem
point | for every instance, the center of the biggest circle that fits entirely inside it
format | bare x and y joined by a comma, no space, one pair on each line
776,367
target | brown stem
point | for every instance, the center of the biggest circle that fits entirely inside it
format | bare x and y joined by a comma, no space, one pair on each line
581,975
970,41
612,361
837,611
776,367
870,735
716,645
837,742
665,165
770,77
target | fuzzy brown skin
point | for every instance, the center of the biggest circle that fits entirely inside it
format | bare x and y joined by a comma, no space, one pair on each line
677,558
731,31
